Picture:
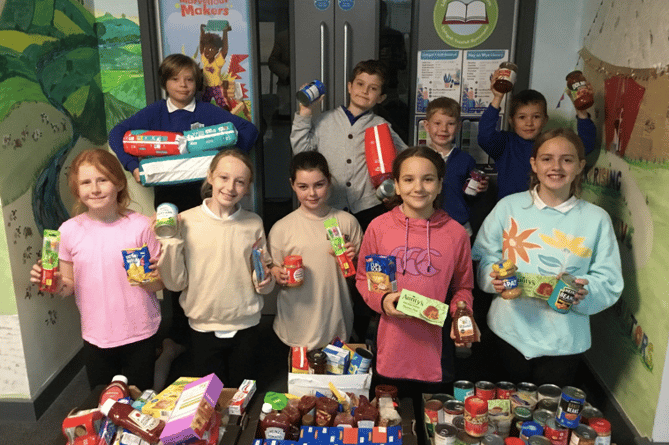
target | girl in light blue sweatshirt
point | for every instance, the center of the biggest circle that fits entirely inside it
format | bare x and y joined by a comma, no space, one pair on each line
548,231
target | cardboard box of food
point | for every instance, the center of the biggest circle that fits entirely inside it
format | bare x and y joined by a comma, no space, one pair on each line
161,406
302,384
190,417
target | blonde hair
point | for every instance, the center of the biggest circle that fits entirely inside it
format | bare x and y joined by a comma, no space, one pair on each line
109,166
205,190
572,138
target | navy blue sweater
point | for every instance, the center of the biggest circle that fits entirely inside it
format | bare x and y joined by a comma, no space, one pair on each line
512,153
156,117
453,198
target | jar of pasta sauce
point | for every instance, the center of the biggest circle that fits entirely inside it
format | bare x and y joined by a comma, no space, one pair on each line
578,89
293,265
506,77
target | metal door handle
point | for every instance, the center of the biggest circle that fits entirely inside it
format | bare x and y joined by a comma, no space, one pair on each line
347,54
322,79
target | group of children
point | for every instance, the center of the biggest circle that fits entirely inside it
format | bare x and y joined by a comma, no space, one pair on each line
545,230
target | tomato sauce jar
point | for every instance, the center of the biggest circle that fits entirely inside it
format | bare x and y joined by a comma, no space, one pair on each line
506,77
578,89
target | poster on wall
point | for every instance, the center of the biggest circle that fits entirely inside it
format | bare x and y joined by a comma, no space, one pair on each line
439,75
465,23
217,34
477,69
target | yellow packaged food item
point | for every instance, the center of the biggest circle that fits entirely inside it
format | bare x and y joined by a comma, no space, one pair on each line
136,263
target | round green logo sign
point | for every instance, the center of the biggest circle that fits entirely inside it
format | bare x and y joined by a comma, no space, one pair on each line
465,23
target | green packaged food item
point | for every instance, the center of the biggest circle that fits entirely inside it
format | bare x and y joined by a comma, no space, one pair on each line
418,306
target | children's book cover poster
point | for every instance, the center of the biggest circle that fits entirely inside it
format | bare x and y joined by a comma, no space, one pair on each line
217,34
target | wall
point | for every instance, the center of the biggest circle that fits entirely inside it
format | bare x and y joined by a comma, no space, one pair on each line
623,40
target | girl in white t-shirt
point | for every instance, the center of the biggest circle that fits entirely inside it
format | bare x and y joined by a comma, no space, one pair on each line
118,320
314,313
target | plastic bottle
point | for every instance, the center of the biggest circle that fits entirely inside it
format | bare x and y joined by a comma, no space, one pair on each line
464,326
275,425
125,416
265,410
117,389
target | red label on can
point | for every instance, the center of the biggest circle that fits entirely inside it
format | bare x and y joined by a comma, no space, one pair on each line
486,393
476,416
48,280
558,436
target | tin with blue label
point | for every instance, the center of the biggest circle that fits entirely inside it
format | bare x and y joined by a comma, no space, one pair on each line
564,294
529,429
309,93
361,361
570,407
463,389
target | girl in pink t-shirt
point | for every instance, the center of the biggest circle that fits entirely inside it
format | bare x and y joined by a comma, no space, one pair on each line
119,321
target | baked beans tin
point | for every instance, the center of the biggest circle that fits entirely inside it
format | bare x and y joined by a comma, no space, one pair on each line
476,416
463,389
293,265
588,412
548,404
538,440
549,391
485,390
556,433
452,409
569,408
603,429
583,435
432,409
529,429
465,439
444,434
541,416
505,389
564,293
492,439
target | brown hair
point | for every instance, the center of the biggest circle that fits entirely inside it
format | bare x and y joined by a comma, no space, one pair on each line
445,105
174,64
527,97
419,151
109,166
309,160
371,67
205,190
572,138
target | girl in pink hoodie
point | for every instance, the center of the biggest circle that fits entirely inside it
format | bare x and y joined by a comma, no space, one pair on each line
433,258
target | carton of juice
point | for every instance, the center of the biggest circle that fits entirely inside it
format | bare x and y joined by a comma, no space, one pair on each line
49,260
337,240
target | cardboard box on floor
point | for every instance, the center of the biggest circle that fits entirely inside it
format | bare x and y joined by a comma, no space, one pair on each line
303,384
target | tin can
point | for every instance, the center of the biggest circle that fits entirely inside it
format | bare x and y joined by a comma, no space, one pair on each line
431,411
529,429
513,441
541,416
583,435
386,190
556,433
476,416
166,220
589,412
310,92
603,429
445,434
463,389
492,439
527,388
549,391
548,404
564,293
459,422
293,265
505,389
485,390
452,409
570,406
538,440
520,415
361,361
465,439
471,186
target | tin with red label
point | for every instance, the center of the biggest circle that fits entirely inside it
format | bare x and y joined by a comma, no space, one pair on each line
556,433
564,293
432,409
589,412
293,265
570,406
505,389
603,429
583,435
452,409
476,416
485,390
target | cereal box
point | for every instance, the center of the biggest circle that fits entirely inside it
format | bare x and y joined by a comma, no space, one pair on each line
161,406
381,271
427,309
136,263
190,417
338,359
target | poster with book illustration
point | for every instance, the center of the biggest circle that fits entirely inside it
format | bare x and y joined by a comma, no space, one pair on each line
218,37
458,12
